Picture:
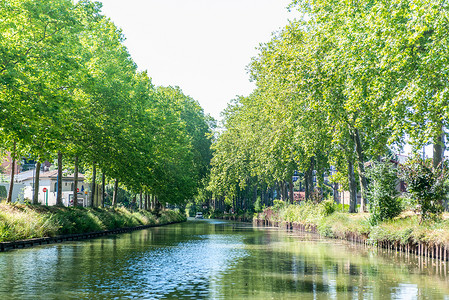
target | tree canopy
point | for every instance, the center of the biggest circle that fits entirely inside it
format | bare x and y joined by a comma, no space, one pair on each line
68,85
347,82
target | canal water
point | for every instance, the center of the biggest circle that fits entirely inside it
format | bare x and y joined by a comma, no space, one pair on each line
212,259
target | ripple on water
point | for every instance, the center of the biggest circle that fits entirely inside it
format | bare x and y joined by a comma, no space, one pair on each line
171,271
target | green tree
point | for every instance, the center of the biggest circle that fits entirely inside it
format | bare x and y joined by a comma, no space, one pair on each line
382,192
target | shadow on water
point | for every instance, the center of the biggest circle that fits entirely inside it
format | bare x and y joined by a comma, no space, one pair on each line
213,259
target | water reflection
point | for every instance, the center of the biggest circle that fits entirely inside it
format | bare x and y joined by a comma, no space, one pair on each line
217,260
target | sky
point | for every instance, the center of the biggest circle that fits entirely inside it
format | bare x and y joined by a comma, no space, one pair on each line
202,46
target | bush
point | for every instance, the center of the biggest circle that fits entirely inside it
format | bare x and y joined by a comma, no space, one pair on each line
427,186
257,205
278,205
342,207
382,194
329,207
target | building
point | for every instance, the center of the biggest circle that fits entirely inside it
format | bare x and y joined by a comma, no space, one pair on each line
48,187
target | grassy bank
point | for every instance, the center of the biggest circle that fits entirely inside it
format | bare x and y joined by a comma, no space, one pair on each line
402,231
20,221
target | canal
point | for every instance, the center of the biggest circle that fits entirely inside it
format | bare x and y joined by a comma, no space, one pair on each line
213,259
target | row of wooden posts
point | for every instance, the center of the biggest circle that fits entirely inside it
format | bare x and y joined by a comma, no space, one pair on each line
428,250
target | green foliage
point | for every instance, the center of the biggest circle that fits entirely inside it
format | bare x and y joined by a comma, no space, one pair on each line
170,216
427,186
341,225
123,196
191,209
306,213
401,230
382,193
278,205
341,84
329,207
342,207
24,222
19,222
257,205
69,85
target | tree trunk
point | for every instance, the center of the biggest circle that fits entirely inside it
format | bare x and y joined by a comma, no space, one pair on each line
322,189
156,204
306,185
309,181
98,195
59,184
281,191
152,202
13,168
278,191
265,195
290,186
103,189
312,168
140,201
146,201
438,151
94,185
254,195
361,168
114,195
36,183
336,198
262,197
352,188
285,191
75,184
133,203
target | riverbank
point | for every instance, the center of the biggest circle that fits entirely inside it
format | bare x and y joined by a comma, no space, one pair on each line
403,233
242,217
21,222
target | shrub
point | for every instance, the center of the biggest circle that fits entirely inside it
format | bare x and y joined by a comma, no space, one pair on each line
329,207
342,207
258,205
427,186
382,194
278,205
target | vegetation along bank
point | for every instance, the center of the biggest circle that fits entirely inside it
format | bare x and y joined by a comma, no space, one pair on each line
19,222
403,233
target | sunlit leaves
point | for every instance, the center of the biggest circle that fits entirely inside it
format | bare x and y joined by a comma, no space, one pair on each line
69,85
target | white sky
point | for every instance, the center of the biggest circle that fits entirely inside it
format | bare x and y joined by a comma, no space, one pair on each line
202,46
